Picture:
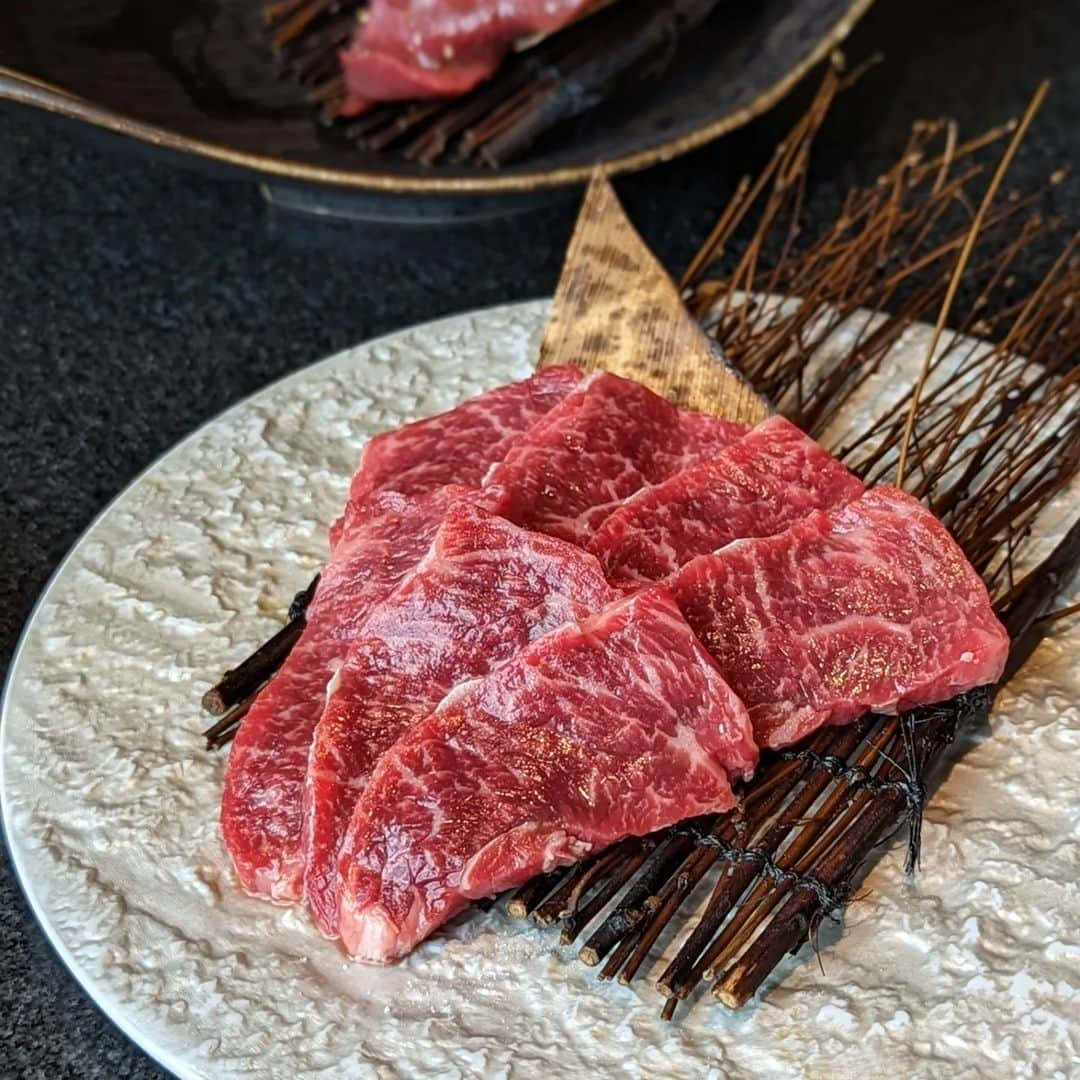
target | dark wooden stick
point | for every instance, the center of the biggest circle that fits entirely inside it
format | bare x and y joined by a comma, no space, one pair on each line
576,922
565,900
621,952
667,901
732,830
222,732
239,682
526,899
631,908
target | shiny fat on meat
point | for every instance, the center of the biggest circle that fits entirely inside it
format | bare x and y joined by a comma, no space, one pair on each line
756,486
868,608
440,48
605,441
484,590
619,726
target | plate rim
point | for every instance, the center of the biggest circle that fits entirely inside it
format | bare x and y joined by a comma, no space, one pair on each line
36,93
99,997
108,1004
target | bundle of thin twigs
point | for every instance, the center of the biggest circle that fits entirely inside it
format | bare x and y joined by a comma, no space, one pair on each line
537,88
988,435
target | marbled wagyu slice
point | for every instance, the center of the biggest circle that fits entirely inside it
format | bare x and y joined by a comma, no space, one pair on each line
605,441
484,590
261,805
406,49
868,608
455,447
757,486
615,727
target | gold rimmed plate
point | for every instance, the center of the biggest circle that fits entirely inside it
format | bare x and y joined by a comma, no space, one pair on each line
125,80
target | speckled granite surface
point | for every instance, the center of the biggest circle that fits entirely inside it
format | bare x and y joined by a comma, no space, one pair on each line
136,301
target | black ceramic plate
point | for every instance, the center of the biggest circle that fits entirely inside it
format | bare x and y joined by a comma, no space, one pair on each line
744,59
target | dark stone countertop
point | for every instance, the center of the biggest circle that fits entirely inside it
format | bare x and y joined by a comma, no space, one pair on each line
137,300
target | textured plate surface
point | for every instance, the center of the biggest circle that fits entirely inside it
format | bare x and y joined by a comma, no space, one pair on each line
110,805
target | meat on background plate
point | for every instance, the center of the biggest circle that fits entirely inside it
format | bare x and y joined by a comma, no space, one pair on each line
419,49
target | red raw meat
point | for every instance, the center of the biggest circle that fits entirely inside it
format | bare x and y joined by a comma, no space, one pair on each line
379,540
440,48
757,486
705,436
455,447
606,440
616,727
261,817
868,608
485,590
459,446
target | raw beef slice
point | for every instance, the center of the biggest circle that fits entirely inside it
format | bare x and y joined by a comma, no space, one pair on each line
261,815
616,727
606,440
756,486
397,499
871,607
484,590
455,447
458,447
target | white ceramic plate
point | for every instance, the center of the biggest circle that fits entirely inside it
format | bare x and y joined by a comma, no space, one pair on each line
110,804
